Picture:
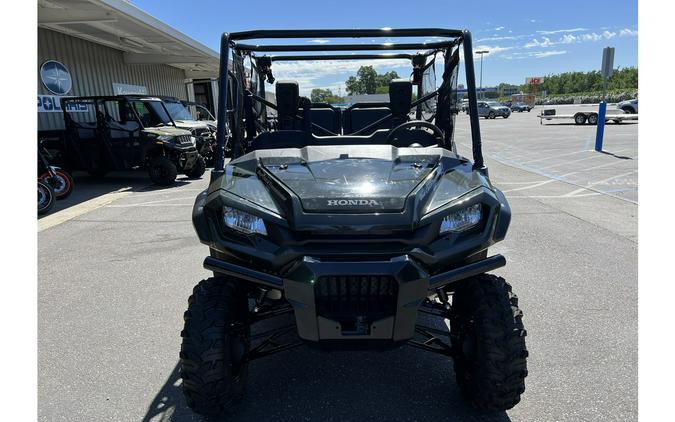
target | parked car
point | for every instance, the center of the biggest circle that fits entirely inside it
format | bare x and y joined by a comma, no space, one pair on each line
520,107
465,105
125,132
492,109
628,106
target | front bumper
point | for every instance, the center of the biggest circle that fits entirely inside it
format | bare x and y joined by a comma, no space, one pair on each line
318,289
186,159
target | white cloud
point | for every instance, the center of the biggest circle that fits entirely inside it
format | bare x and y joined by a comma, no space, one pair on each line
568,39
561,31
496,38
319,41
628,32
492,50
499,28
545,42
542,54
590,37
534,54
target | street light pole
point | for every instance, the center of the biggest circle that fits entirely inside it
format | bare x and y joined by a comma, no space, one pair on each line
481,52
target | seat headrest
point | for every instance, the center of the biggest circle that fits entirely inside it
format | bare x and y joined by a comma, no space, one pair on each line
400,96
288,96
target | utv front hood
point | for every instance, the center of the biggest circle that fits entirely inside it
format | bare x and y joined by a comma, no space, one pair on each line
191,124
166,131
351,183
330,187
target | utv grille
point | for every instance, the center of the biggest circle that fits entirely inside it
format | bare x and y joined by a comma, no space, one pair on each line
356,297
184,140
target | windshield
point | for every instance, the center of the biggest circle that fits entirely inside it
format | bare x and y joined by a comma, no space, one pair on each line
178,111
151,113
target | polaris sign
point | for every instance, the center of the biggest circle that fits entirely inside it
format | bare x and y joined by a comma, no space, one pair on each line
52,104
56,77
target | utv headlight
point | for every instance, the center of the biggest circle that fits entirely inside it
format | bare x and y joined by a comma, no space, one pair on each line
243,221
461,220
164,138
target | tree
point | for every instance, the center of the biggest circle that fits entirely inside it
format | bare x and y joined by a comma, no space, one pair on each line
576,82
368,81
383,80
353,86
319,95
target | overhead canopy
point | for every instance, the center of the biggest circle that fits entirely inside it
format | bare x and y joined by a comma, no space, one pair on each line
121,25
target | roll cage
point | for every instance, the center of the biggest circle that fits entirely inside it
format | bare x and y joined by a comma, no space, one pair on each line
234,92
97,100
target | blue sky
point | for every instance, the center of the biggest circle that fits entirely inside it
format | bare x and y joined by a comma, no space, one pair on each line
526,38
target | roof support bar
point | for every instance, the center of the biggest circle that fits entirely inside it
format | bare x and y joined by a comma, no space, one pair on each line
345,33
344,47
221,130
343,57
473,102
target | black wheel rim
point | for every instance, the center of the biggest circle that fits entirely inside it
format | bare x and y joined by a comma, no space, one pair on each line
43,196
59,184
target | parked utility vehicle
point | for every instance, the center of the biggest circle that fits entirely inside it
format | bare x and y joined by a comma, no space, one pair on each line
354,219
202,126
126,132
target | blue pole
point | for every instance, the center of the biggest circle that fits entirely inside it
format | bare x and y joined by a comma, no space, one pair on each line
601,125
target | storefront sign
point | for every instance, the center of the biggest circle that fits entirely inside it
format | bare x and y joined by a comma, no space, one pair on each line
52,104
126,89
56,77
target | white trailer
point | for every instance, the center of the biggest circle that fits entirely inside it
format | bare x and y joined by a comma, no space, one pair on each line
584,117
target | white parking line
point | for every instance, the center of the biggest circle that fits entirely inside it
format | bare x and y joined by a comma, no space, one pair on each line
162,192
151,204
555,156
547,168
77,210
499,182
532,186
600,182
565,196
159,202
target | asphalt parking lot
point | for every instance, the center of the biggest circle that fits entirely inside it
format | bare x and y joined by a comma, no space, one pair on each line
118,262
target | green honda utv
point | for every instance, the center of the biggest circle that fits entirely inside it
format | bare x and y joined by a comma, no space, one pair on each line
360,223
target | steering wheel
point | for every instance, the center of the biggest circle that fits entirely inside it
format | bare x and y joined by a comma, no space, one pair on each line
416,123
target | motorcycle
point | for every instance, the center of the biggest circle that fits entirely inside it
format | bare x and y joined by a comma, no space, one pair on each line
46,197
60,181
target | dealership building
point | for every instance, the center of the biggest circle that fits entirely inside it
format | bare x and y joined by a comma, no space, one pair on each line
110,47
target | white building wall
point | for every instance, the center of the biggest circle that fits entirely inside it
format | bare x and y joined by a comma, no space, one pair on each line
94,68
